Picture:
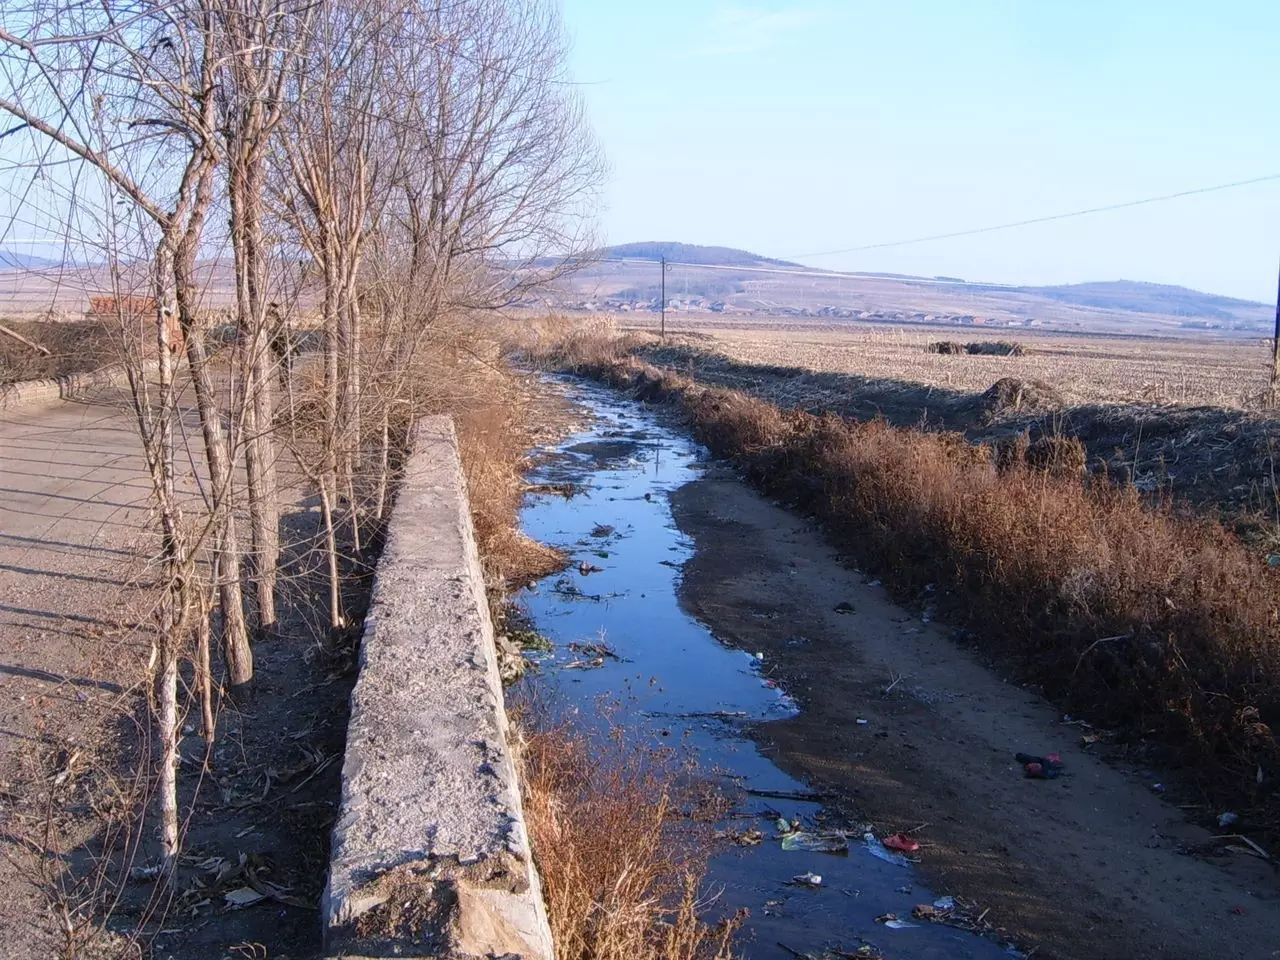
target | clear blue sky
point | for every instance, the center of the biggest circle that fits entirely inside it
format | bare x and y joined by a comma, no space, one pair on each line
792,127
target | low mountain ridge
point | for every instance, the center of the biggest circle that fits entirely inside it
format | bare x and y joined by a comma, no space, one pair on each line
690,253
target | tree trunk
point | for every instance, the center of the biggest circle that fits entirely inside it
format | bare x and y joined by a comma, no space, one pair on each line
226,547
167,710
259,382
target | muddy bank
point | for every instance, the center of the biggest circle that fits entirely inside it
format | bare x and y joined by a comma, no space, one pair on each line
1094,864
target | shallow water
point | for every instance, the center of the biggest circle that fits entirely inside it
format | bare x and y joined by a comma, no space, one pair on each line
674,677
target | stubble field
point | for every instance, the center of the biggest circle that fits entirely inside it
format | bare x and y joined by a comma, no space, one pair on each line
1082,369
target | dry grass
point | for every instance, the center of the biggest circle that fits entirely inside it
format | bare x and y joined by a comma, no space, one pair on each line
74,347
1134,614
1082,369
619,853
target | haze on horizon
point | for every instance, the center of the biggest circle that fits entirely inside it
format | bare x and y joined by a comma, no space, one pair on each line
788,128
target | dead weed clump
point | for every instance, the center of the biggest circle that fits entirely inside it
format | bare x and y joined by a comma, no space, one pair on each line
987,348
1137,615
619,848
67,347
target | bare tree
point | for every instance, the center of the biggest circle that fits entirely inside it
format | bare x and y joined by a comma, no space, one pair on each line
257,43
127,94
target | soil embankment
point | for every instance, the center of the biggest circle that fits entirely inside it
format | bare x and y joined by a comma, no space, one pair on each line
1093,864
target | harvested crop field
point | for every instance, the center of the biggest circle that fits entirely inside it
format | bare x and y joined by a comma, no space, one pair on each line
1231,373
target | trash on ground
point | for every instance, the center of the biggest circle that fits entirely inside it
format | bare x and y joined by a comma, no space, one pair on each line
807,880
1227,819
1048,767
862,721
844,606
1157,788
878,850
902,843
945,903
244,897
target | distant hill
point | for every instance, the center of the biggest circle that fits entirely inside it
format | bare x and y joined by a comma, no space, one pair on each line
12,260
1157,298
691,253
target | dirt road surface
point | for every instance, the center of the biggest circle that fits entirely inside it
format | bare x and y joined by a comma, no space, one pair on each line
73,503
1091,865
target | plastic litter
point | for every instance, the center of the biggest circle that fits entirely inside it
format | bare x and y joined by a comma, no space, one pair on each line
1048,767
902,843
815,842
1227,819
891,921
844,606
878,850
945,903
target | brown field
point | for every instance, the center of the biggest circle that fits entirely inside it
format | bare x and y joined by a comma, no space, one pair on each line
1082,369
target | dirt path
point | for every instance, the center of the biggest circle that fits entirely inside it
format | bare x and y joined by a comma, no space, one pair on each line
73,503
74,540
1089,865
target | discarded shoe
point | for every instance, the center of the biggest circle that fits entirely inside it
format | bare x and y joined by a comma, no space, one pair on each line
1047,767
902,843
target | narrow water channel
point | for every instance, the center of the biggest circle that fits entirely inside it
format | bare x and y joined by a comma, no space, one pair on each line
673,675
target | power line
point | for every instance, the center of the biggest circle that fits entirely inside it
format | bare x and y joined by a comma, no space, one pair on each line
1033,220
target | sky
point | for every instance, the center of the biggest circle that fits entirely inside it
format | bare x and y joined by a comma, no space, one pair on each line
796,128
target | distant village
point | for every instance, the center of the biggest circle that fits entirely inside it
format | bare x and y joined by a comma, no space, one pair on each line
765,308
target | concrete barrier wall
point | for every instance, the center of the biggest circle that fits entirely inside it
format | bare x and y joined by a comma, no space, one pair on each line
29,392
430,856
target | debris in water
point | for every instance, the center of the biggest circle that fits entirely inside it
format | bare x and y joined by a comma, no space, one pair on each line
891,921
1048,767
878,849
815,842
807,880
586,569
599,649
745,838
902,843
601,530
945,903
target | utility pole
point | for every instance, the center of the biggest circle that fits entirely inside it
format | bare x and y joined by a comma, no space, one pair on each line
1275,345
662,324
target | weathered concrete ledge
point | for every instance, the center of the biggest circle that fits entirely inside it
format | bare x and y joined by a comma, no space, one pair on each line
27,392
430,856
